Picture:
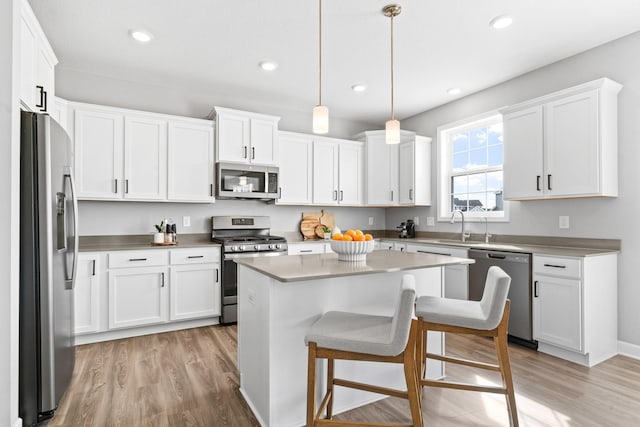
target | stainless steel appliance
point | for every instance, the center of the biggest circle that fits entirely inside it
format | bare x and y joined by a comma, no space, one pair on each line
48,260
241,237
239,181
518,267
411,229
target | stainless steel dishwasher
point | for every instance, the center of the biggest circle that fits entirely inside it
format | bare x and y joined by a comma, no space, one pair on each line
518,267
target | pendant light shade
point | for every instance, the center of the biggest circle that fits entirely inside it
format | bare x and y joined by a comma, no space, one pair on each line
320,112
392,126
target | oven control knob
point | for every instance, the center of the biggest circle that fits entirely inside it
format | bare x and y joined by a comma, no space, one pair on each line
278,246
243,248
234,248
272,246
256,247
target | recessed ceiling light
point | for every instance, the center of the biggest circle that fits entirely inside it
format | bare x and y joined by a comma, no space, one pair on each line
358,87
141,36
268,65
453,91
501,21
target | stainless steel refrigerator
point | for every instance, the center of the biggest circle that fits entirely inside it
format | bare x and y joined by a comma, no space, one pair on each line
48,260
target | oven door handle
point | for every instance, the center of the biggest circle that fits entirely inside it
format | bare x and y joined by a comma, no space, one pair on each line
231,257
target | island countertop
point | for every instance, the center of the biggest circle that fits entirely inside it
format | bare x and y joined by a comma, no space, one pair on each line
293,268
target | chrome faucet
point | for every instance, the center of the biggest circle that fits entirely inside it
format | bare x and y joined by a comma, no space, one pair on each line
486,230
463,236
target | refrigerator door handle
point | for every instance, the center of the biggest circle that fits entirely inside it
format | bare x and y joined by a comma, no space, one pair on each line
74,201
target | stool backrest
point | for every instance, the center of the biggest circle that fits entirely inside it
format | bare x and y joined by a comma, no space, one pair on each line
494,297
403,315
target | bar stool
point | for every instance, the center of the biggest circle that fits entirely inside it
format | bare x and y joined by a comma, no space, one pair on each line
349,336
487,317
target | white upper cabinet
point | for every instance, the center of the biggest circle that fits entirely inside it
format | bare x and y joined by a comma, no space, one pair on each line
145,158
397,174
244,137
564,144
99,145
132,155
37,63
191,163
337,172
296,169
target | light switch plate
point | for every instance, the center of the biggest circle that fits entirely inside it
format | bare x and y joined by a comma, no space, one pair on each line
563,221
431,222
186,221
416,219
370,220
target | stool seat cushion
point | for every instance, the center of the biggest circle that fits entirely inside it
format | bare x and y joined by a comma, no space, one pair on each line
454,312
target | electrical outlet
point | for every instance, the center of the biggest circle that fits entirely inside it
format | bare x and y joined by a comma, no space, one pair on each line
416,219
370,220
431,222
563,221
186,221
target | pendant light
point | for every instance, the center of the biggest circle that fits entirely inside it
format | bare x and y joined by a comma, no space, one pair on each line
392,126
320,112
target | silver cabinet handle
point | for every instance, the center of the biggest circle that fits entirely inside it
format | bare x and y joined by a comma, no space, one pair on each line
549,182
535,289
162,279
253,153
137,259
195,256
335,194
116,186
93,268
555,266
411,194
341,195
538,182
126,186
433,253
211,190
217,275
245,151
306,251
391,195
279,192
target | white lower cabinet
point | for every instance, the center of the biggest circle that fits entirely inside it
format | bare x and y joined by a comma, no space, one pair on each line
388,245
137,296
195,291
575,307
86,294
456,277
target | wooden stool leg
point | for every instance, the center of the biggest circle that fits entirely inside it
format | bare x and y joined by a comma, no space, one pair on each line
502,351
411,376
330,375
311,385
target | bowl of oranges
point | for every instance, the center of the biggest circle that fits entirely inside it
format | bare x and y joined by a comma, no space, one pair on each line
352,245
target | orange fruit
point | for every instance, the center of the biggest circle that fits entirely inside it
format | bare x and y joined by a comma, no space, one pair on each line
347,238
337,236
350,233
359,233
368,237
359,238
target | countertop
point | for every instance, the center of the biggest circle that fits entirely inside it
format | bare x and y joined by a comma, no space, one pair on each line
296,268
141,241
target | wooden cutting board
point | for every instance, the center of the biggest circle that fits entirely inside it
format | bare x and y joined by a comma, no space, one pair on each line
328,219
308,228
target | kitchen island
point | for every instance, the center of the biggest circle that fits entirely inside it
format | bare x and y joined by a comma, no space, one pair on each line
279,298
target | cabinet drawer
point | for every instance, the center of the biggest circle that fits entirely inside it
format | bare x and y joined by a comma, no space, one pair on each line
137,259
194,256
555,266
306,248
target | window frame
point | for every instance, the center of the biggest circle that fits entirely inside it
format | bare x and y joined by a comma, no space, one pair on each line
445,173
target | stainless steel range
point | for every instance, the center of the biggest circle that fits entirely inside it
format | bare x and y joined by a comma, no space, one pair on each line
241,236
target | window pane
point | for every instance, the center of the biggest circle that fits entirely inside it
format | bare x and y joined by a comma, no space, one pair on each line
478,158
460,142
460,161
477,183
459,184
494,181
459,202
495,155
477,202
495,201
495,134
478,138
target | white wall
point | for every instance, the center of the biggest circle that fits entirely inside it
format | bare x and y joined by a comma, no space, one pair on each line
10,214
94,89
594,218
106,218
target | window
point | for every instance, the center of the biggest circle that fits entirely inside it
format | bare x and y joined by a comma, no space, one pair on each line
470,172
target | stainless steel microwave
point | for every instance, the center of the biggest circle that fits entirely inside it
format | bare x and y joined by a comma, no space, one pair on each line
240,181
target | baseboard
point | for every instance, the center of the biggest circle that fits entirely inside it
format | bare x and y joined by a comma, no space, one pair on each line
252,407
628,349
17,422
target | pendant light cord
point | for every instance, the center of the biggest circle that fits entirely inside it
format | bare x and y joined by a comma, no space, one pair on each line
319,52
392,106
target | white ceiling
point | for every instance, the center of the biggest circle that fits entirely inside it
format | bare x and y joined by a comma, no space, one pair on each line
210,46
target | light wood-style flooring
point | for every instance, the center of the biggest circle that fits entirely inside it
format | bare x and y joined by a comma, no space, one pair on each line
190,378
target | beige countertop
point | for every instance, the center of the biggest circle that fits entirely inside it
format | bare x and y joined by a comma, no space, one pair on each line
294,268
141,241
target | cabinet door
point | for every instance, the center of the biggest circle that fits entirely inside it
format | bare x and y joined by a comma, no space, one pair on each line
325,173
28,63
191,164
350,174
86,295
407,173
296,170
382,172
195,291
264,147
137,296
523,155
45,73
145,158
557,311
99,154
233,136
572,155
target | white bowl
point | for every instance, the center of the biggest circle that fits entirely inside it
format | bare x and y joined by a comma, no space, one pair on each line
352,251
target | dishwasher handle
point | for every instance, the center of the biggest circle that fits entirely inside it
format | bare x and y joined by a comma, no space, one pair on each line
496,256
